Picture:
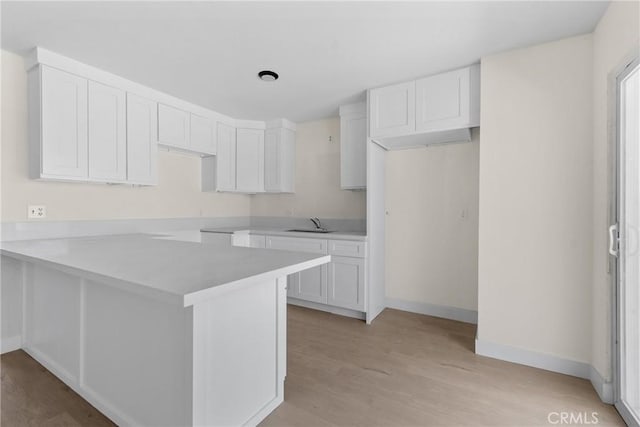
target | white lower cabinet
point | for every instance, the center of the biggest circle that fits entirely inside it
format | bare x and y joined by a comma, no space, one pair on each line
309,285
248,240
341,283
346,283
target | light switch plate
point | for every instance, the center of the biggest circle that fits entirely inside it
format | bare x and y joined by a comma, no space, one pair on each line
36,211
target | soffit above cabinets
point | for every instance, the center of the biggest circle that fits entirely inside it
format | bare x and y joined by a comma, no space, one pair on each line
326,53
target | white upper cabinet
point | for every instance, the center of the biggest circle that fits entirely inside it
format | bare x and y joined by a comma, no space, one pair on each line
392,110
86,124
142,140
432,110
279,160
250,160
173,126
107,133
448,101
58,124
203,135
225,162
353,146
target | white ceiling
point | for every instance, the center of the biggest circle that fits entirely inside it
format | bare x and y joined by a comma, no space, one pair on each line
327,53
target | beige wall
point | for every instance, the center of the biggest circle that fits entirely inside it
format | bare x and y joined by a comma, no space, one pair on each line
616,38
535,222
431,246
317,184
177,194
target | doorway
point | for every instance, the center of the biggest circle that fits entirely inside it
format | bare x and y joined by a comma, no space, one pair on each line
627,397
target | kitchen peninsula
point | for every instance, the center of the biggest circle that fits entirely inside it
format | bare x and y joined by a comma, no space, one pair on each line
159,330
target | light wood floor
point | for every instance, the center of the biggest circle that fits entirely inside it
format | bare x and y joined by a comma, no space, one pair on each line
404,370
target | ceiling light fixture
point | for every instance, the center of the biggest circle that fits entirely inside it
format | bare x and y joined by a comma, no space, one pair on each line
268,76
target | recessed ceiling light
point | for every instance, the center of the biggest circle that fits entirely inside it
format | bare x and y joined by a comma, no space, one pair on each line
268,76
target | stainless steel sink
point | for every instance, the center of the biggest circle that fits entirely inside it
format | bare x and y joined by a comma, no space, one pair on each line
310,230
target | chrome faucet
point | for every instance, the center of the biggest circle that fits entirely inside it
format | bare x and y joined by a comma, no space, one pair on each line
316,222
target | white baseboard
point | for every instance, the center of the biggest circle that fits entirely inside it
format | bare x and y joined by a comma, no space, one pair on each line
603,388
452,313
10,344
534,359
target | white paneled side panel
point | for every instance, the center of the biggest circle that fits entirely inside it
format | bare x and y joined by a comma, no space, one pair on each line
392,110
346,283
203,135
300,244
52,319
272,169
142,140
173,126
347,248
11,293
241,369
225,163
250,160
442,101
107,133
63,124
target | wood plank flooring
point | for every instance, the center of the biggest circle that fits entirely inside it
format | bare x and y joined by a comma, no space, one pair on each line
404,370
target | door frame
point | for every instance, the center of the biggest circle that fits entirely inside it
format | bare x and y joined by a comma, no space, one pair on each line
616,200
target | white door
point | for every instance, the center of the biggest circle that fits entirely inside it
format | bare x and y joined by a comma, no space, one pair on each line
309,285
250,160
173,126
392,110
442,101
107,133
628,300
142,140
64,124
226,158
203,135
346,283
272,173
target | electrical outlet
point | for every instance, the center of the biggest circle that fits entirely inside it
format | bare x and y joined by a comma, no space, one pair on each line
36,211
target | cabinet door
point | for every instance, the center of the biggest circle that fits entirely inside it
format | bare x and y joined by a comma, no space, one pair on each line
279,160
392,110
309,285
287,161
202,135
226,158
271,160
250,160
346,283
107,133
64,141
173,126
142,140
442,101
353,151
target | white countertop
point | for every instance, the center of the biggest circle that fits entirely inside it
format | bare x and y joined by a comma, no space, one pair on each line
334,235
173,268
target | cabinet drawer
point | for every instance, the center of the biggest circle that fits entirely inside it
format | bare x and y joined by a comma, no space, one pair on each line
347,248
316,246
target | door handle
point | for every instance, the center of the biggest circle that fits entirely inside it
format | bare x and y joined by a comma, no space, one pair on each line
613,240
